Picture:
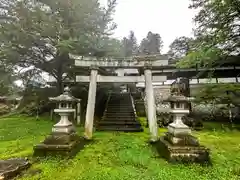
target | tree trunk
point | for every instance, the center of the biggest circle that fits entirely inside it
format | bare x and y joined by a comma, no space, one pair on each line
59,84
63,62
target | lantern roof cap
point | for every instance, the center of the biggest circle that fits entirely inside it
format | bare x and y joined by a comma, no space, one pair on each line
179,98
65,97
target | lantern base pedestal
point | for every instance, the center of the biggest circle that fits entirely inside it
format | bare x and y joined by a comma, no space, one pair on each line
178,128
60,144
185,149
63,129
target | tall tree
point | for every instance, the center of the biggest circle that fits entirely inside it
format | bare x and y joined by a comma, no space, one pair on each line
130,45
218,31
217,38
42,33
180,47
152,44
143,48
113,47
127,51
133,42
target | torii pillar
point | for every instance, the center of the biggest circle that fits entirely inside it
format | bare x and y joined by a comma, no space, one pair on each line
151,107
91,103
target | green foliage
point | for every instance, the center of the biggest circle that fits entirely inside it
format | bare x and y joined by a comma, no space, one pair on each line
152,44
218,94
112,47
129,45
218,23
19,134
180,47
42,33
118,156
216,34
7,79
36,100
204,57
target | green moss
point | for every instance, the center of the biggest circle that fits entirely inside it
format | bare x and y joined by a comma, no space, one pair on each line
118,156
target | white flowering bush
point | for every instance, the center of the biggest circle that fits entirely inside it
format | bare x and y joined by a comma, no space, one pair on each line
210,109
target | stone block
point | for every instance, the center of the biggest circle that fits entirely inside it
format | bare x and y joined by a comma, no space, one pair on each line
181,140
12,167
178,129
63,128
60,144
182,154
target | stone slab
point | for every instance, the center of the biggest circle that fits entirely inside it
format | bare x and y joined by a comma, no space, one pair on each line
12,167
58,128
181,140
58,144
182,154
126,62
178,129
120,79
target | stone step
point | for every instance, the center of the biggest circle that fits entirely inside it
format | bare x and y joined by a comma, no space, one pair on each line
120,112
119,108
119,120
122,115
120,96
119,115
112,115
119,99
118,126
119,105
107,122
123,129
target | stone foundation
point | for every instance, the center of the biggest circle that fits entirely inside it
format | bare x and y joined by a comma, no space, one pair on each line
60,144
181,140
184,151
12,167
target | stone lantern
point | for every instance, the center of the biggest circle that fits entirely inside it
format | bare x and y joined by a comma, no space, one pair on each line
63,140
179,108
65,109
178,144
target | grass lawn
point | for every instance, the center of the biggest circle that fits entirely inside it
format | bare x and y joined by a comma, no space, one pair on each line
118,156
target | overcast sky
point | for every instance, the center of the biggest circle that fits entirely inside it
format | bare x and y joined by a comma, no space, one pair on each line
169,18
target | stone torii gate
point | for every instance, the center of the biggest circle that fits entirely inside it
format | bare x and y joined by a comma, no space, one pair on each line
145,62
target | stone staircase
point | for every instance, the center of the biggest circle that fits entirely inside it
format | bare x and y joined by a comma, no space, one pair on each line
119,115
